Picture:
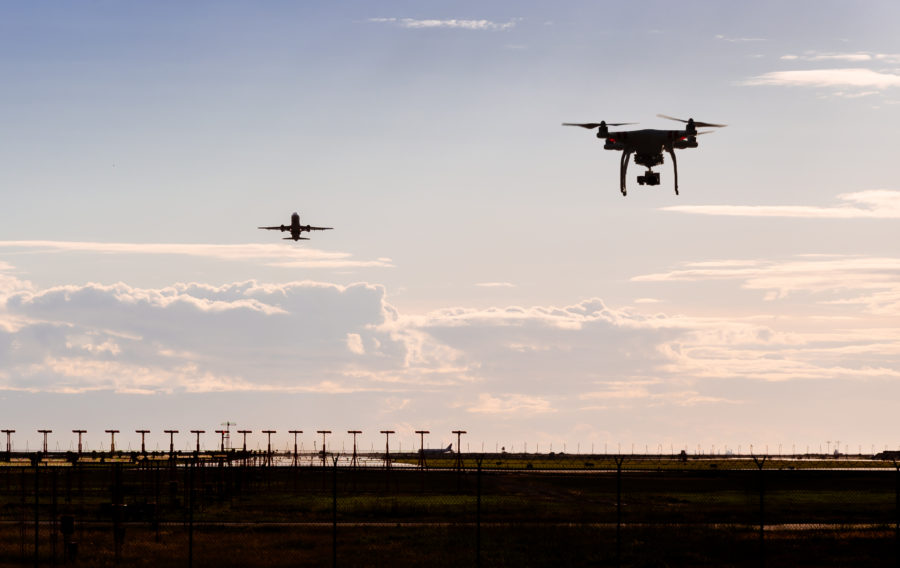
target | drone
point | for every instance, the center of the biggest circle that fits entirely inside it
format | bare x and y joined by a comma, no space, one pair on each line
647,145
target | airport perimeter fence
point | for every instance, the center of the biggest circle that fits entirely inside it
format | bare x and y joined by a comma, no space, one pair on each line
471,510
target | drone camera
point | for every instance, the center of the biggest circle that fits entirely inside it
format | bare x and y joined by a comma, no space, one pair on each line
649,178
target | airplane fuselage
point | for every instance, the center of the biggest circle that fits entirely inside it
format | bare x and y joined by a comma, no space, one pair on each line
296,228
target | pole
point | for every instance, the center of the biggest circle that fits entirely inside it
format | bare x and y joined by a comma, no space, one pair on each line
9,434
222,444
244,433
171,434
112,443
354,462
45,432
37,503
387,447
334,513
760,462
269,446
143,447
198,432
478,516
324,433
421,434
459,463
295,432
619,461
79,432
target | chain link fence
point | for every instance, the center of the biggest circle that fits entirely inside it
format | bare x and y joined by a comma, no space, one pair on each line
241,509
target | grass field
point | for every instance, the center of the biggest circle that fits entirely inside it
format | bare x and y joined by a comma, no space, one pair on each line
652,512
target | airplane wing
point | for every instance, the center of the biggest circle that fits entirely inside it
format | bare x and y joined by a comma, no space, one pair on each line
319,228
278,228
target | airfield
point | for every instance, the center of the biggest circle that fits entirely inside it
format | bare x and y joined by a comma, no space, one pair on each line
237,508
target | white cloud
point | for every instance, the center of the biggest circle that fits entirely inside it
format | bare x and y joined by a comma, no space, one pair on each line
511,404
355,343
283,255
496,285
241,336
856,57
739,39
870,282
847,77
628,395
450,23
346,349
870,204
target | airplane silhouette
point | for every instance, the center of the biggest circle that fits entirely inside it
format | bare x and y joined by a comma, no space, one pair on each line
296,228
436,451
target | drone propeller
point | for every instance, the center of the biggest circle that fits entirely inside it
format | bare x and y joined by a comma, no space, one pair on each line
596,124
697,124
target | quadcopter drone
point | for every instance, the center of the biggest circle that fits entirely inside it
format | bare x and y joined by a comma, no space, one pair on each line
648,145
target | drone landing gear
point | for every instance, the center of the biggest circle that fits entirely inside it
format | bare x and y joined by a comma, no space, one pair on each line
623,167
674,165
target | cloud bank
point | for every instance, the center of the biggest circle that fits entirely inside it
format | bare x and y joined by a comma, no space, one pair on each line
503,368
268,254
870,204
478,25
868,77
847,77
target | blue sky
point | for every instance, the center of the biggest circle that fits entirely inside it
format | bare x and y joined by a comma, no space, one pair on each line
484,272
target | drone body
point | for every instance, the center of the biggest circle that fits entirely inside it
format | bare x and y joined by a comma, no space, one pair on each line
647,146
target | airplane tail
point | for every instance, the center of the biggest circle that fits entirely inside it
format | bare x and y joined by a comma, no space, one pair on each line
293,239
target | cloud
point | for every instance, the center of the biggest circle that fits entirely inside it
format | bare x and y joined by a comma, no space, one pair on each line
496,285
268,254
451,23
847,77
195,337
510,404
870,204
626,395
739,39
856,57
355,343
870,282
348,355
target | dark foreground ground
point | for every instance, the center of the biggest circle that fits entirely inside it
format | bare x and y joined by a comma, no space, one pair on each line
630,513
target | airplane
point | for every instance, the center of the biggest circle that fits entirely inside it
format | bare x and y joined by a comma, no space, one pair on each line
647,145
437,451
296,228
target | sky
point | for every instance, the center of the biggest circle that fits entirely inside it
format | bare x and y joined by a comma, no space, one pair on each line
484,272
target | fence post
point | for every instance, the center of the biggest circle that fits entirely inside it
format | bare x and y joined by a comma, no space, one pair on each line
334,512
54,527
619,461
117,506
37,472
897,514
478,460
24,513
762,509
191,466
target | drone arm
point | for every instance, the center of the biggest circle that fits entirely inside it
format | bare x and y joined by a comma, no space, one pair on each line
675,165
